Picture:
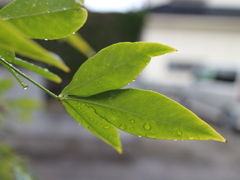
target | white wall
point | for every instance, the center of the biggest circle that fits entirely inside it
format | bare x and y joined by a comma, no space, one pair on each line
197,39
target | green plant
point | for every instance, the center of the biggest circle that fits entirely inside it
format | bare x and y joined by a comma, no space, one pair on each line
94,97
12,166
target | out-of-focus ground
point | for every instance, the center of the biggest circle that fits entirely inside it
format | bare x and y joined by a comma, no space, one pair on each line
88,158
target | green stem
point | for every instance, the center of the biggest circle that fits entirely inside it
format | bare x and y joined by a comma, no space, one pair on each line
5,63
15,75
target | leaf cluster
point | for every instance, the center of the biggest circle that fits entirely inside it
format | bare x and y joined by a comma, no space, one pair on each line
94,96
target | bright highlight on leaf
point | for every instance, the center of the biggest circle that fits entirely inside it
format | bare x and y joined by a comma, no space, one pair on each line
45,19
113,67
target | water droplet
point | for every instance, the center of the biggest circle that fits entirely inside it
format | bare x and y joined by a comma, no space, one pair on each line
107,127
175,139
82,104
179,133
150,135
74,33
132,121
46,39
147,126
25,86
123,127
139,136
79,108
64,8
92,109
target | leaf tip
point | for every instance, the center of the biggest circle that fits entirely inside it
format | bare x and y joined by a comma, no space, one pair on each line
65,68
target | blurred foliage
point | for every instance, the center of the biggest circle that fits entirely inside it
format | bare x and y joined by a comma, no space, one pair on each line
15,108
12,167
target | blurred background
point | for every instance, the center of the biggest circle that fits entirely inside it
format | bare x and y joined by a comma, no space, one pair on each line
202,75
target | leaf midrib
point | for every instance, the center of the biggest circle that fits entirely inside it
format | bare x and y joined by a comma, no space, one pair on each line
124,111
107,72
86,120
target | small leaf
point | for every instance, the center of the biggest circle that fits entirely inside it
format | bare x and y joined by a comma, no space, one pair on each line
86,116
5,84
149,114
113,67
9,67
12,39
45,19
43,72
77,41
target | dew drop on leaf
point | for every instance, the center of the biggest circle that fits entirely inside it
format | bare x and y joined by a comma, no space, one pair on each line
147,126
123,127
92,109
78,108
132,121
106,127
179,133
150,135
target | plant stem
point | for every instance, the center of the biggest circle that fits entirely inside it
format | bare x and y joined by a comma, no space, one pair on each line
5,63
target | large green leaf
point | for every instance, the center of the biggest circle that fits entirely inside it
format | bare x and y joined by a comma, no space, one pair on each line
45,19
113,67
12,39
86,116
148,114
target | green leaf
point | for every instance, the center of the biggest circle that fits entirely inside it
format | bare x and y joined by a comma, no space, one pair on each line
42,71
45,19
12,39
5,85
113,67
77,41
7,54
86,116
22,108
149,114
9,67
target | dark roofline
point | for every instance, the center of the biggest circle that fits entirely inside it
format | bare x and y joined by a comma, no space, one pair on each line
195,10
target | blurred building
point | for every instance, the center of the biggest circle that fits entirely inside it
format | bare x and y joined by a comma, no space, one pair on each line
202,32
